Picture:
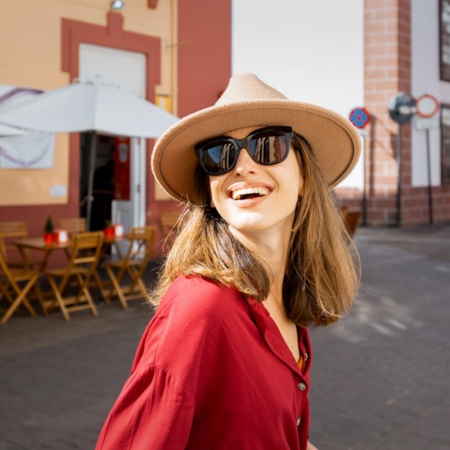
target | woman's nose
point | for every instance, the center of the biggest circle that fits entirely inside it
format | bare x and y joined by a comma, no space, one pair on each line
244,164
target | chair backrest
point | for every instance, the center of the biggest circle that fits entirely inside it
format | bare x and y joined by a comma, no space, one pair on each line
8,277
10,231
86,250
4,270
168,221
141,240
74,225
352,220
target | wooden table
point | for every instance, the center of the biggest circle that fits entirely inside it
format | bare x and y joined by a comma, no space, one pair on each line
38,244
26,244
29,271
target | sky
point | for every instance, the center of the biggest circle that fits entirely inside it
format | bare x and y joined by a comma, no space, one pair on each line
311,51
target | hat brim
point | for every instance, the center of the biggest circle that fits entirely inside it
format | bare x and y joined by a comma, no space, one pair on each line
335,142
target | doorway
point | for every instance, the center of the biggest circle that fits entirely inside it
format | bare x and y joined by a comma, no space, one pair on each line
104,180
120,164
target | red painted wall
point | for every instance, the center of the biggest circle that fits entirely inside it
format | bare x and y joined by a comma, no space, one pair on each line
204,68
204,52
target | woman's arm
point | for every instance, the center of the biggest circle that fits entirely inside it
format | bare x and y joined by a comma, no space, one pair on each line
152,411
177,351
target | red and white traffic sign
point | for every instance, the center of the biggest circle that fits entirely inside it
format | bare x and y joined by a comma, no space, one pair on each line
427,106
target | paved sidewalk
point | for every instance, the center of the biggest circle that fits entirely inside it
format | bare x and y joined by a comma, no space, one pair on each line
59,379
380,376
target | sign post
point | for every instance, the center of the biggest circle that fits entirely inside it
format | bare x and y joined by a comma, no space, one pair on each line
427,107
360,117
401,110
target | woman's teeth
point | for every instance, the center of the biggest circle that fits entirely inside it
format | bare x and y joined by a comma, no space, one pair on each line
253,191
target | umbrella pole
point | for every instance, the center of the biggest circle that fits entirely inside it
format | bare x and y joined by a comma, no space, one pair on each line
90,198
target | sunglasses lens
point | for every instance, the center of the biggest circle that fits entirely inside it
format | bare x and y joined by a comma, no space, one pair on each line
266,146
217,157
269,147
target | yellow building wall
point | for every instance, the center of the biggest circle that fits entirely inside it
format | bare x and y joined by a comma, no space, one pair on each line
30,56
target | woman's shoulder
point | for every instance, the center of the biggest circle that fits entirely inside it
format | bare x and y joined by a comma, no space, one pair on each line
200,289
196,282
198,295
191,324
194,311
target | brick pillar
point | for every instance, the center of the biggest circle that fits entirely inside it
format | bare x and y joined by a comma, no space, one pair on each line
387,71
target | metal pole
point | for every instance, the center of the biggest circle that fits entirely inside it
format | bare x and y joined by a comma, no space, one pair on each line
91,170
364,195
399,181
430,192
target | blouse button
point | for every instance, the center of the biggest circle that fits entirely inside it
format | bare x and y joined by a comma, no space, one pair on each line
299,420
302,386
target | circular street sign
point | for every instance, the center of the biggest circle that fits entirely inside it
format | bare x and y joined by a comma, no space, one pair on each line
427,106
402,108
359,117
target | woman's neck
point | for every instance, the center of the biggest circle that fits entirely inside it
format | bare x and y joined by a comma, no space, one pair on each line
271,249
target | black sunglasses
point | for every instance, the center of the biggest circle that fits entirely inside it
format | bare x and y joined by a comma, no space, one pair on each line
267,146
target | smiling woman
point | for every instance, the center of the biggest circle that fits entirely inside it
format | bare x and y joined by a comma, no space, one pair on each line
261,255
236,192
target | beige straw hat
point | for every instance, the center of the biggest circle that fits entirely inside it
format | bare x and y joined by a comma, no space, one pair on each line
248,102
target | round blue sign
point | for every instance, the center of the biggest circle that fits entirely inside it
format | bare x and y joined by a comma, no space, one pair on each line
359,117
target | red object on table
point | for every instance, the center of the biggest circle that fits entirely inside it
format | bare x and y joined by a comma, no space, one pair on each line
114,231
109,231
60,237
118,230
48,238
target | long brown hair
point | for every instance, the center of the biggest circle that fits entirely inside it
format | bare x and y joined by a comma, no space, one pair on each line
321,279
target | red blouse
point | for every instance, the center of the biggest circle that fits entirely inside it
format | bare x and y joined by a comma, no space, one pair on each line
212,371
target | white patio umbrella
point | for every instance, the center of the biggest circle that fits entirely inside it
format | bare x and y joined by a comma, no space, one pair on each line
6,130
90,106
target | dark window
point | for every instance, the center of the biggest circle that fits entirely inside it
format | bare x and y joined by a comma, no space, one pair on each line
445,143
444,39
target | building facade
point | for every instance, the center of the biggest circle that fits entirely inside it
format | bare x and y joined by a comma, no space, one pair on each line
174,54
177,54
406,178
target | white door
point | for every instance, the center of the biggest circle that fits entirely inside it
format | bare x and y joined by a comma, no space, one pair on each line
127,70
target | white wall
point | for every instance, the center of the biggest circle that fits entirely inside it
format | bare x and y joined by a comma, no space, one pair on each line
312,51
425,80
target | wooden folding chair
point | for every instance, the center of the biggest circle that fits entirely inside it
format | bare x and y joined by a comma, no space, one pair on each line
76,276
74,225
351,219
133,264
13,289
168,221
10,231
